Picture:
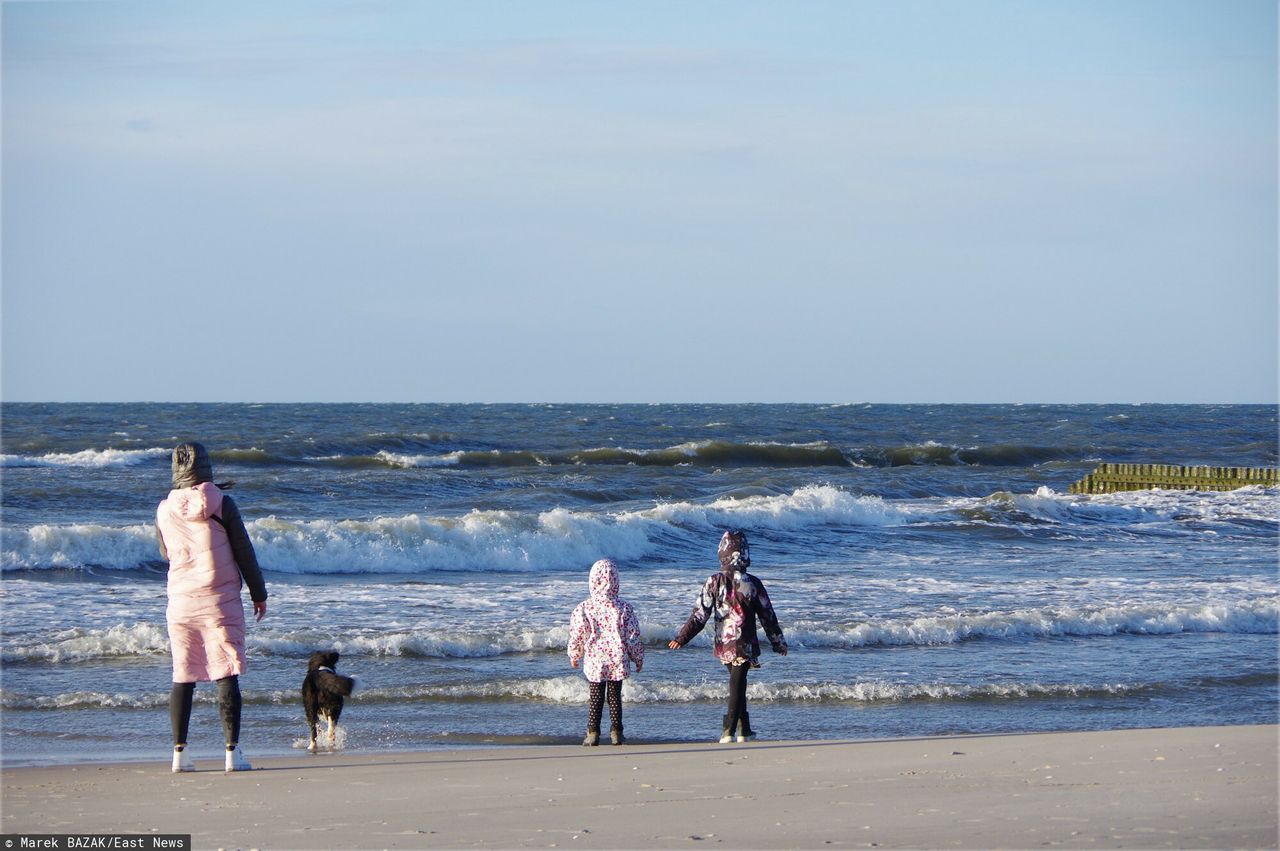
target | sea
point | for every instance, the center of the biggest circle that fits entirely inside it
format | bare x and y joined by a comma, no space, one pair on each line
931,571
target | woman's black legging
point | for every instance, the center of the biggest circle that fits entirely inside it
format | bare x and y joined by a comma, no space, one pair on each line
595,705
737,694
229,705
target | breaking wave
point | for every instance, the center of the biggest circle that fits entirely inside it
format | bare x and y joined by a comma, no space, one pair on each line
92,458
1259,616
1249,617
561,538
78,545
478,540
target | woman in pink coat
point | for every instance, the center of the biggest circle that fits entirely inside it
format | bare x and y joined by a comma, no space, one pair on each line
203,538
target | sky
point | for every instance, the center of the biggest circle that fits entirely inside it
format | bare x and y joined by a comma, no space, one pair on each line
669,201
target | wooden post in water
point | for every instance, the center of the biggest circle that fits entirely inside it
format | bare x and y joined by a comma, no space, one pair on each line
1110,478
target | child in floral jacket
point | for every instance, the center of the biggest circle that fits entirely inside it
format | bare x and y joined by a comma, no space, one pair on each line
605,637
736,598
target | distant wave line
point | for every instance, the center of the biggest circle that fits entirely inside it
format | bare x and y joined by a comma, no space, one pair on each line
710,453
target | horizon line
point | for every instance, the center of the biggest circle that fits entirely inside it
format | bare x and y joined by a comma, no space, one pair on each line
1059,403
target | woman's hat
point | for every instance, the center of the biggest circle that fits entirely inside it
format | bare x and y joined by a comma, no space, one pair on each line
191,465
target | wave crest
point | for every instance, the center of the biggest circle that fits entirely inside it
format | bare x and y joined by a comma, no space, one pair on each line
91,458
1250,617
1259,616
79,644
561,538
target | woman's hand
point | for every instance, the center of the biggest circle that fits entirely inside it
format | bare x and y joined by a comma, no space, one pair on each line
259,609
673,645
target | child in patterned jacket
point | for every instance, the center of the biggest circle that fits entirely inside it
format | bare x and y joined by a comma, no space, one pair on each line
605,637
737,599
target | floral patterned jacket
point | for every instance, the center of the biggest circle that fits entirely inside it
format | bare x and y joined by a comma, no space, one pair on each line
603,631
737,598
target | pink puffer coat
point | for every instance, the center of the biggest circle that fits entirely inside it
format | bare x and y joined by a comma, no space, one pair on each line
205,614
603,631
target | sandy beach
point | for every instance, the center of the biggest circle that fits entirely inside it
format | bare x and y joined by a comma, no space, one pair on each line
1202,787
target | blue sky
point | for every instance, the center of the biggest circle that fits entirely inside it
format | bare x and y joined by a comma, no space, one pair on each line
875,200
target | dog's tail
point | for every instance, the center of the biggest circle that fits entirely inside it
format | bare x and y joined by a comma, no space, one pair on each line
335,683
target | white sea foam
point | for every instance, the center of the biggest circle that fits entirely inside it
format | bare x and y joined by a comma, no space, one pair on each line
83,700
322,741
560,538
396,459
807,506
572,690
1258,616
551,539
474,644
95,458
79,644
1254,503
478,540
1165,509
79,545
866,692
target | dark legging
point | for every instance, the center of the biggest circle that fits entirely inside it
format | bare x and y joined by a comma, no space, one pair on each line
229,704
737,695
595,706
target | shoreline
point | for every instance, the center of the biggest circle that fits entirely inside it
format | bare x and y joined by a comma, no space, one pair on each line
210,752
1188,787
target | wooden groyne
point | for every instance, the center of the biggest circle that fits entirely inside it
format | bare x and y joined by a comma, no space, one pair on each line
1109,478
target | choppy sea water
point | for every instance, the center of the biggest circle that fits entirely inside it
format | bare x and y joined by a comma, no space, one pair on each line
930,570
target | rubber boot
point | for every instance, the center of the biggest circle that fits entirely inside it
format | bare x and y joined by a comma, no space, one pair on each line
745,733
236,760
182,761
727,735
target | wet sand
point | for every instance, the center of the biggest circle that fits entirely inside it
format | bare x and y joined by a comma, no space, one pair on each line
1199,787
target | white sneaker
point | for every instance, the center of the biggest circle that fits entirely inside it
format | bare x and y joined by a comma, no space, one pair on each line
236,761
182,762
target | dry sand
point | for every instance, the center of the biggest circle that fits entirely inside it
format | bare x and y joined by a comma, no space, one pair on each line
1208,787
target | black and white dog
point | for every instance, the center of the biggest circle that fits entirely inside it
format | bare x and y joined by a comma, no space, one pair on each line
323,691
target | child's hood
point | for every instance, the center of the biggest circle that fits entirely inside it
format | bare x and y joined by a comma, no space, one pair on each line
604,580
196,503
734,553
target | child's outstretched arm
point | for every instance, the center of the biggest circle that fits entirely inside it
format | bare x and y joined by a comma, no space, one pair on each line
699,616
